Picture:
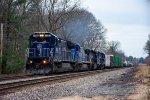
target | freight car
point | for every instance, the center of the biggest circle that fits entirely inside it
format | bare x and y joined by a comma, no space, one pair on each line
113,61
127,64
46,53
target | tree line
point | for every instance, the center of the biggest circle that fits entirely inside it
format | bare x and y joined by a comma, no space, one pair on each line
64,18
147,50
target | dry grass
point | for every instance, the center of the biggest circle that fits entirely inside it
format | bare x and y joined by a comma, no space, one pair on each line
143,73
142,90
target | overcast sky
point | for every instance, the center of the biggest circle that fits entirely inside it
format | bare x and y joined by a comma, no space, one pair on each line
126,21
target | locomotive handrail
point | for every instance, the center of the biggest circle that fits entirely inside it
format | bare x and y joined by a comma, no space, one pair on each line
31,52
28,51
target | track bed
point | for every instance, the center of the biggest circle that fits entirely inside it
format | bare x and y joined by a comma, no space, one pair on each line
84,86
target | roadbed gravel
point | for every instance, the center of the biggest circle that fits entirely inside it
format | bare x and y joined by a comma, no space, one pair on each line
114,83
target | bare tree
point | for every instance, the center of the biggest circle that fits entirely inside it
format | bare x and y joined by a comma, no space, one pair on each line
96,38
147,46
83,28
35,16
55,13
65,35
113,47
147,50
147,60
2,9
121,54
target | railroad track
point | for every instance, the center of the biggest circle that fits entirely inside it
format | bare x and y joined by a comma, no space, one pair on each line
8,86
6,77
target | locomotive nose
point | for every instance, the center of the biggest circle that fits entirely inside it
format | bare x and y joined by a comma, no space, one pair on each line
42,49
39,49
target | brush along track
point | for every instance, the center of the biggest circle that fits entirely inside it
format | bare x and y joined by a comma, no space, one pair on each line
6,87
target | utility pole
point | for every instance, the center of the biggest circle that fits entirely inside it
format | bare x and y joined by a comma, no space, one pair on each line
1,47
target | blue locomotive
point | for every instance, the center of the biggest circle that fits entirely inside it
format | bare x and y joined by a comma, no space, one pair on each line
47,53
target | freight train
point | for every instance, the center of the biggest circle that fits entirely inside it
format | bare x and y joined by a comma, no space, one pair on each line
47,54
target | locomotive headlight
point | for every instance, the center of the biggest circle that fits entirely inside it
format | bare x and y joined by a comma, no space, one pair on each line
44,61
30,62
41,35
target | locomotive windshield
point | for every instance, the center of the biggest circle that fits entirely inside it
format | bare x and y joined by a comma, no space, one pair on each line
39,39
51,40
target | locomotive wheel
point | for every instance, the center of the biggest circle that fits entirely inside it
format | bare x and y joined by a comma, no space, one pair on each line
79,67
55,66
92,67
104,66
72,65
98,67
51,68
89,67
95,66
101,67
75,67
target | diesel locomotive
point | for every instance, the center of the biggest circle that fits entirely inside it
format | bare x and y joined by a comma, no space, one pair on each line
47,53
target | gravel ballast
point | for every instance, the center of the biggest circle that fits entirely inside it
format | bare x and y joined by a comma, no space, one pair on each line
114,83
